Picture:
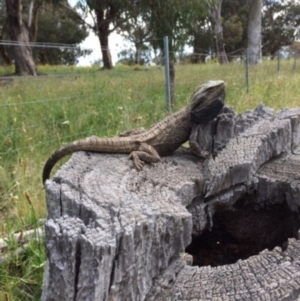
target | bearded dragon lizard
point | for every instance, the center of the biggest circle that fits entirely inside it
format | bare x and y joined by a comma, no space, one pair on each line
162,139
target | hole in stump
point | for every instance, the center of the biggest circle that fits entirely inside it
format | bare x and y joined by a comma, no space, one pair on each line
242,231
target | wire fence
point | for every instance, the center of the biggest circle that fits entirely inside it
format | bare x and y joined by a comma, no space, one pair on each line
38,115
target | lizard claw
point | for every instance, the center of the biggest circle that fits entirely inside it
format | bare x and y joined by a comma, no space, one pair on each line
139,164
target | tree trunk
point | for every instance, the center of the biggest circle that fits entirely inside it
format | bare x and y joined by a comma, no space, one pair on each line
254,32
222,56
215,14
24,63
3,51
33,18
4,55
137,58
103,34
172,80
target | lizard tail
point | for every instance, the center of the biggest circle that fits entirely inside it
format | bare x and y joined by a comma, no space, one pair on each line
54,158
87,144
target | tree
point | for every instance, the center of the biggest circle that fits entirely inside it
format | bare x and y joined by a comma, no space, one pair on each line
234,27
107,17
201,36
19,34
3,29
280,22
57,25
202,39
254,32
215,15
50,23
135,30
128,56
170,18
235,16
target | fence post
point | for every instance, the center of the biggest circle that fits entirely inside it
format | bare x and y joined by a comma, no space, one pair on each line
294,67
247,71
278,61
167,73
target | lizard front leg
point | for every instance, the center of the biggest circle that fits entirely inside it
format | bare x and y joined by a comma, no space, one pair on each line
199,134
145,153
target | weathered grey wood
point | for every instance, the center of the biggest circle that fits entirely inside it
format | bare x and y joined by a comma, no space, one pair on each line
279,181
115,234
117,225
294,116
246,152
216,135
271,275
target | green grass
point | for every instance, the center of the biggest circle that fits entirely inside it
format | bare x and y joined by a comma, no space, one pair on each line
38,115
21,274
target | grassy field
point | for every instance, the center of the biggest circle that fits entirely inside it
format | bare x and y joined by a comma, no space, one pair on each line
38,115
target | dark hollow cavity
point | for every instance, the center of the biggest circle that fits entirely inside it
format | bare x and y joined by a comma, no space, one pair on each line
242,231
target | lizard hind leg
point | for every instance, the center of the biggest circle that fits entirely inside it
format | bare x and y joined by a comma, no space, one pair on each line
145,153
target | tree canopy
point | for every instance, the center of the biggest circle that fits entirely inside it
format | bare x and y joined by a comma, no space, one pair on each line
42,22
215,27
58,26
281,21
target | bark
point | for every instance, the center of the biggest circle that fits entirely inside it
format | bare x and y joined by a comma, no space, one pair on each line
24,63
254,32
215,14
33,18
4,55
103,22
115,234
138,51
3,51
172,81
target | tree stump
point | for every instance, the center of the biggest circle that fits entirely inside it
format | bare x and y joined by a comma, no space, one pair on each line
116,234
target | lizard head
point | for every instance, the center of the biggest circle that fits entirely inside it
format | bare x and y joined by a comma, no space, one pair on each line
207,101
